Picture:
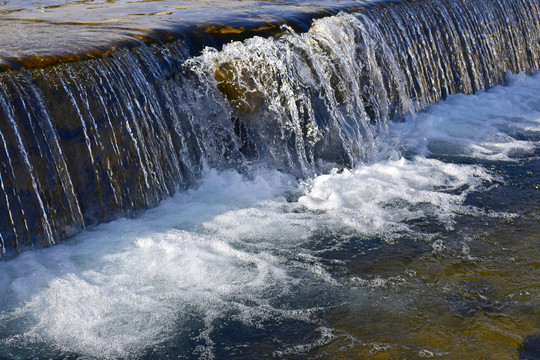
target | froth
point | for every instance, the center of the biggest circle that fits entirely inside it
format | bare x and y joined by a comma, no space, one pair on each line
240,248
126,285
501,124
381,198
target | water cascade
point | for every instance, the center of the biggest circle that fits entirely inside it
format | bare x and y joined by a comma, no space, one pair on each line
89,141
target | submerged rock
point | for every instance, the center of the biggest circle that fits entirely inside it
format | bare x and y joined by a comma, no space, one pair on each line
475,297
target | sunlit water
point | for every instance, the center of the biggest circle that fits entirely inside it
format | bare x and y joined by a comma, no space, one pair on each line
429,251
72,27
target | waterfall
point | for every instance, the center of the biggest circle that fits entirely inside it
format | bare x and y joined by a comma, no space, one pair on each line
89,141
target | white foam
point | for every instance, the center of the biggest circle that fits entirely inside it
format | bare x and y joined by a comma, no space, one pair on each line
379,199
501,124
236,246
121,287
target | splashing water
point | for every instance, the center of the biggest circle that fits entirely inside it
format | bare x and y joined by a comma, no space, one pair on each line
272,267
90,141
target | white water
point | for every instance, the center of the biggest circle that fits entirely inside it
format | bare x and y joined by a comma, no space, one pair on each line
501,124
240,248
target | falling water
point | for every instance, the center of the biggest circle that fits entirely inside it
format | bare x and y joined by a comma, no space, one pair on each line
89,141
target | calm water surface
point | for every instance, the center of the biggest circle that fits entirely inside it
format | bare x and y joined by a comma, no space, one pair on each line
68,27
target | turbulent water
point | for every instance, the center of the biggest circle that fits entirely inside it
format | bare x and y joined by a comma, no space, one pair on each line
89,141
427,251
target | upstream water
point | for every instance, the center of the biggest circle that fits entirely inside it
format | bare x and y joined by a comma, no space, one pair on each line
429,250
72,28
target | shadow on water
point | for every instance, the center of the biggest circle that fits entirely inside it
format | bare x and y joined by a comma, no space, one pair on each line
530,349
